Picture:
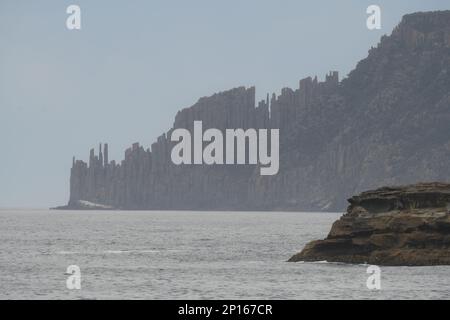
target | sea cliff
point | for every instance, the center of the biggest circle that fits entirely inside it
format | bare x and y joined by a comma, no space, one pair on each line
385,124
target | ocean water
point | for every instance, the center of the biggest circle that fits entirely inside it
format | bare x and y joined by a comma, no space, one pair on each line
187,255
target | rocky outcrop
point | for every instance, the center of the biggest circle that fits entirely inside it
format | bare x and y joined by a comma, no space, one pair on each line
386,123
407,226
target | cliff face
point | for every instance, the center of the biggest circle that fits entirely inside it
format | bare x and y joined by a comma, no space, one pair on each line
386,123
390,226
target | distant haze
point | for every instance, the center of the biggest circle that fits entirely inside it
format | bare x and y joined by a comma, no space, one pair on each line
122,78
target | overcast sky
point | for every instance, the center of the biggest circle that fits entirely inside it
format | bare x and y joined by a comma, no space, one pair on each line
134,64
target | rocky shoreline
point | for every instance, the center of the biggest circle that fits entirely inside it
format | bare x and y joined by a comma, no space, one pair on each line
392,226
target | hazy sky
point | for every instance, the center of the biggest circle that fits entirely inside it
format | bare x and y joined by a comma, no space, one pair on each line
122,78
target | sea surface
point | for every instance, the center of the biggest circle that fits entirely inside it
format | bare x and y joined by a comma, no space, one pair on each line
187,255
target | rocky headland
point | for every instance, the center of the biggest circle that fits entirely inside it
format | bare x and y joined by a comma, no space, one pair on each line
398,226
386,123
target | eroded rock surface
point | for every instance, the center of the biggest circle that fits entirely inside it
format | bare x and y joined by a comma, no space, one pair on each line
389,226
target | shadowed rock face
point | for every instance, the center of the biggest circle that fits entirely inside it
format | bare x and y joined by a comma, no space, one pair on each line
407,226
387,123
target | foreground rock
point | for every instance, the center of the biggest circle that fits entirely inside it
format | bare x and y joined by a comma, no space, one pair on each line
407,226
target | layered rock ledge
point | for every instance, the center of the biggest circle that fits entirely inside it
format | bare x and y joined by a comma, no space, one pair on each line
397,226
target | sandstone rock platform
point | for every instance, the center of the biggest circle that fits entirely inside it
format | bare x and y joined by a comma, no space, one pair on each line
392,226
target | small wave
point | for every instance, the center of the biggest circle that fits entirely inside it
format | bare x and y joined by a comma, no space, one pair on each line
67,252
331,263
313,262
130,251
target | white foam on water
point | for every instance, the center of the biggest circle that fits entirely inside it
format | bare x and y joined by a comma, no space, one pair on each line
130,251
